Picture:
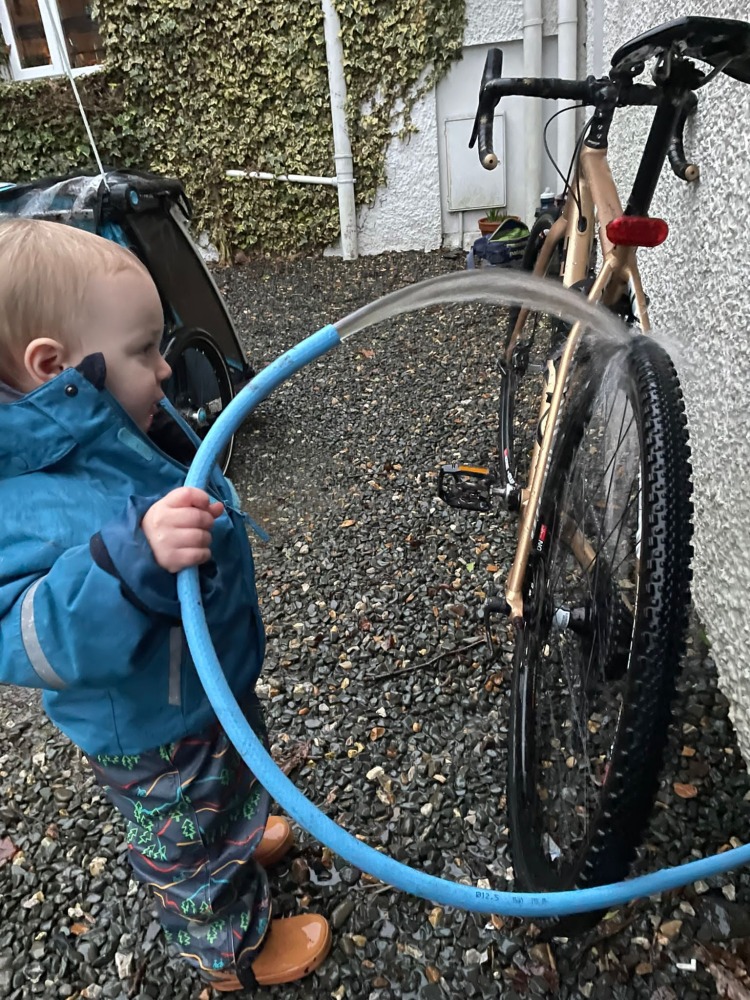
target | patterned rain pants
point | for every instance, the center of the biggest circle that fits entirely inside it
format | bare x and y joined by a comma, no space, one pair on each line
195,814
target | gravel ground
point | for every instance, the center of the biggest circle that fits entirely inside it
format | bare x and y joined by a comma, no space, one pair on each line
370,590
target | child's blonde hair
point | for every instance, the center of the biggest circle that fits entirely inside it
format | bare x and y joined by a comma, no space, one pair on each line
45,271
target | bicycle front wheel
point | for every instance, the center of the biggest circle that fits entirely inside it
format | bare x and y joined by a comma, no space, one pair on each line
607,600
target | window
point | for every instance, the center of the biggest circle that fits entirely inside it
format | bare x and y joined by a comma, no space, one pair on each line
33,31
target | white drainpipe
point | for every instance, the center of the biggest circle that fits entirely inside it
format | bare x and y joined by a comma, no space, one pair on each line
532,66
596,17
342,148
567,69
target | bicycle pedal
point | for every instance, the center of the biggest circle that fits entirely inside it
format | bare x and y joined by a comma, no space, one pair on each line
466,487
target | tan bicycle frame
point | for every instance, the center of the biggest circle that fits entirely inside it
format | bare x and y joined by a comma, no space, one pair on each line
598,199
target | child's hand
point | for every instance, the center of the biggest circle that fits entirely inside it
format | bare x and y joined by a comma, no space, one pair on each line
178,528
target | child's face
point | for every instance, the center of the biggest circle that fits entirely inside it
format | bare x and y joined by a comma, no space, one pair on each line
125,323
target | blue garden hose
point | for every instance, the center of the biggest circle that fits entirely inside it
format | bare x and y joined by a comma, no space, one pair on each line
383,867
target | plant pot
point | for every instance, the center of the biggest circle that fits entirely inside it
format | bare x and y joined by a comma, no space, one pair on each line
488,226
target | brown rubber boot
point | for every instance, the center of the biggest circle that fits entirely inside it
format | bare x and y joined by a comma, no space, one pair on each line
293,947
277,840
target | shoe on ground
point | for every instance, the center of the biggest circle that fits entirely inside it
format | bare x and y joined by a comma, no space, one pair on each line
293,948
277,840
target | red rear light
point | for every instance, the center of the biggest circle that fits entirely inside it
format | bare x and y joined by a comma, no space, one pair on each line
637,231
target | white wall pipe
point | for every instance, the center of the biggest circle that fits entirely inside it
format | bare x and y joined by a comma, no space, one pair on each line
595,13
567,69
532,66
341,145
260,175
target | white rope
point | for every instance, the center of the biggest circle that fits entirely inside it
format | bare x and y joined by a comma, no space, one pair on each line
69,73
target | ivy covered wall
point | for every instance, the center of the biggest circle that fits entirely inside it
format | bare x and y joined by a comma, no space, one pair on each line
192,87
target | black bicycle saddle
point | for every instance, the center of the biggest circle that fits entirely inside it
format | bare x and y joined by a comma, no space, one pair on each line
718,41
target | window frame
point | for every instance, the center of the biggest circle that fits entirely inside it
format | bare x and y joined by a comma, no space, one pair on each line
15,73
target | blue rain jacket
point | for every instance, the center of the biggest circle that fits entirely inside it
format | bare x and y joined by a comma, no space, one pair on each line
86,613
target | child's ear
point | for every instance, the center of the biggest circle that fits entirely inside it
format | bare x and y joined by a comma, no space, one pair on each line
44,358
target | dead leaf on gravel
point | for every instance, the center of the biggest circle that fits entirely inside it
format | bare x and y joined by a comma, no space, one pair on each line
685,791
733,960
8,850
727,983
542,953
347,523
293,757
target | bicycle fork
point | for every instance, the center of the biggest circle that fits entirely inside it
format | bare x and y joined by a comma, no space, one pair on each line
471,487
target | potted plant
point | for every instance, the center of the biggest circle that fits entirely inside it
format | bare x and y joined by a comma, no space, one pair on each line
489,222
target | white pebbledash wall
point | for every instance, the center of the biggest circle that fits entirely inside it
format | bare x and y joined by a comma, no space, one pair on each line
698,285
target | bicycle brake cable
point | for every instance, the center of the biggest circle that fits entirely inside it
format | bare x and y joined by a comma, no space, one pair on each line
576,151
576,154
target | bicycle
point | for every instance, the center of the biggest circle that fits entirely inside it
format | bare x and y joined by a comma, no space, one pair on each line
599,589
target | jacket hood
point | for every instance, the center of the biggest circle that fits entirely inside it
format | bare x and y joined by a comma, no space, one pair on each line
39,429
